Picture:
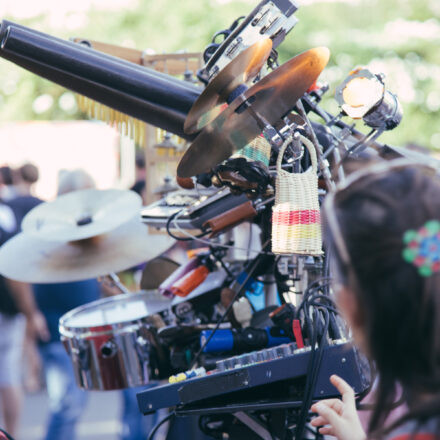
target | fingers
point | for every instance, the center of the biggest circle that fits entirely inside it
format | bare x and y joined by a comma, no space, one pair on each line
346,390
318,421
327,430
327,415
335,404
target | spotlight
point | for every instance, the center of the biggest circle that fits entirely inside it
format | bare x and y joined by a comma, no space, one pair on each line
362,95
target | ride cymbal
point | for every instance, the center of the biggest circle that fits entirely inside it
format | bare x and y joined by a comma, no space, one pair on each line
30,259
271,99
82,214
240,71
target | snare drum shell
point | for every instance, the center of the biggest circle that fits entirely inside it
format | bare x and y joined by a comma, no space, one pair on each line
115,355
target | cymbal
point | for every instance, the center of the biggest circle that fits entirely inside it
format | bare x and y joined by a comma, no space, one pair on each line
31,259
82,214
272,98
241,70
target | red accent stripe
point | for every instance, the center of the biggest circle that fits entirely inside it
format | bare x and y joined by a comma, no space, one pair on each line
296,327
289,218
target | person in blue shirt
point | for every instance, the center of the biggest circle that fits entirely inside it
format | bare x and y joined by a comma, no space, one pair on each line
66,400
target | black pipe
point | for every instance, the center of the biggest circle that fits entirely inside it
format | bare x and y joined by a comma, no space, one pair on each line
153,97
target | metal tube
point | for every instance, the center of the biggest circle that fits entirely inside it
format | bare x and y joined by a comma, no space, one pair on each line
142,93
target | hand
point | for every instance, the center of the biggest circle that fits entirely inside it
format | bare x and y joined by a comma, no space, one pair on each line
339,416
37,326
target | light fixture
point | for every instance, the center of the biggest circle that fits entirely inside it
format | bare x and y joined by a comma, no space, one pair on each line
362,95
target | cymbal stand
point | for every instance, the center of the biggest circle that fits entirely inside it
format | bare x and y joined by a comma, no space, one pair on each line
324,165
115,280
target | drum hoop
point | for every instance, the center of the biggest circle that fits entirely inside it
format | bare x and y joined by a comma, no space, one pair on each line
85,333
69,331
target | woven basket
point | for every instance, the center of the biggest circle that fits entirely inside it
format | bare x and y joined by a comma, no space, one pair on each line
296,219
257,150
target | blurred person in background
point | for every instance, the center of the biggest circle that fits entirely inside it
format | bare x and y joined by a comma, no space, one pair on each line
66,400
25,178
7,188
17,306
140,175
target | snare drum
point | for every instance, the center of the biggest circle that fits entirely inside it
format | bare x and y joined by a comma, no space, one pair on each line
112,341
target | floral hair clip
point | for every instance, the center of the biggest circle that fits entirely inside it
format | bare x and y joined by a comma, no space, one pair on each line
423,248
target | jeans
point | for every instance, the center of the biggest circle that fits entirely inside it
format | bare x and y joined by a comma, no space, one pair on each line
136,426
66,400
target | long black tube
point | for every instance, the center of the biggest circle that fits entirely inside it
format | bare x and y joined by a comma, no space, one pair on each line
142,93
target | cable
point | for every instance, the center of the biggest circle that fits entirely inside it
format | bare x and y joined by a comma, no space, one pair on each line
251,267
159,424
310,288
312,375
170,219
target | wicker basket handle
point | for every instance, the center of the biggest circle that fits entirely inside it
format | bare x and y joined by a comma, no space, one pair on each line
310,147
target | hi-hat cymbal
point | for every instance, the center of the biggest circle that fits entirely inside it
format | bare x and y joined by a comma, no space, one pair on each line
31,259
271,98
240,71
82,214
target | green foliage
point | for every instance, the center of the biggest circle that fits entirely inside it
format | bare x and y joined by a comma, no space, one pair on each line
399,37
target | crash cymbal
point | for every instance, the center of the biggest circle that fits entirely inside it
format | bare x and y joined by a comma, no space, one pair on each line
240,71
271,98
82,214
30,259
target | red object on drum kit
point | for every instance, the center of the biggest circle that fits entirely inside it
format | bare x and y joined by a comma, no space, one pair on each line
185,182
190,281
296,327
166,286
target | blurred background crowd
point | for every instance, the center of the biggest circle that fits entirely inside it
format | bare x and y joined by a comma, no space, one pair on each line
33,357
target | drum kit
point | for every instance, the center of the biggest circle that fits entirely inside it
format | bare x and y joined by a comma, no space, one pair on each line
114,342
88,234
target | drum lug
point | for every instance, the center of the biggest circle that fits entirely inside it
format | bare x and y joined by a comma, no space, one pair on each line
109,349
143,347
66,345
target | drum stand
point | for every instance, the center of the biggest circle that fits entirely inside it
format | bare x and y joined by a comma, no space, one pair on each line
115,281
272,422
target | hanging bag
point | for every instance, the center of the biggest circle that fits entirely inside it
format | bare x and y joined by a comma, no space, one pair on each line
296,219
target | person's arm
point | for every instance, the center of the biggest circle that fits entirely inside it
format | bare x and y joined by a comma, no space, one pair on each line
24,298
339,417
